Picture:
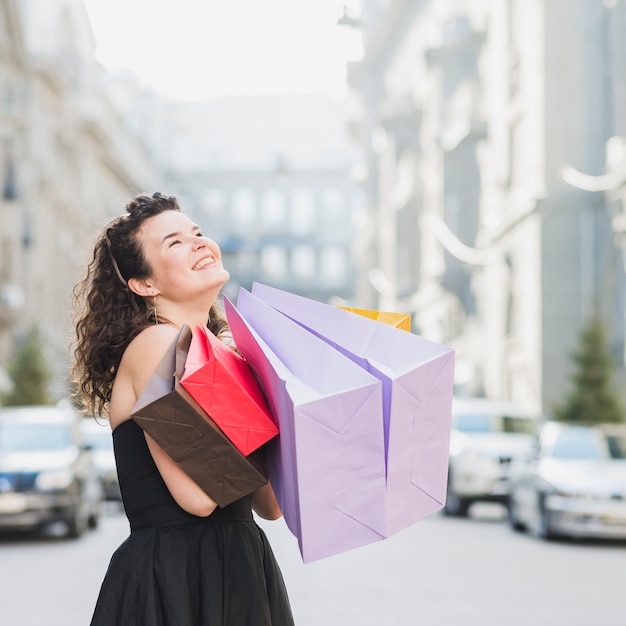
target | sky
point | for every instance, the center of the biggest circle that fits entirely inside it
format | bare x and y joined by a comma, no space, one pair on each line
201,49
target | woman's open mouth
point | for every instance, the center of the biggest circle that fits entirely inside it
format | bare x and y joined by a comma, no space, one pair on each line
202,263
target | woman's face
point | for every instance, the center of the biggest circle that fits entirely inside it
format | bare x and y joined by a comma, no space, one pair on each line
183,261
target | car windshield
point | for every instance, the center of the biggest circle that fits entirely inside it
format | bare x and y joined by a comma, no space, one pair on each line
468,423
513,424
31,436
586,443
483,423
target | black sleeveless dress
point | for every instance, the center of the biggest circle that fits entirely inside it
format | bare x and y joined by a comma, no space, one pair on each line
176,569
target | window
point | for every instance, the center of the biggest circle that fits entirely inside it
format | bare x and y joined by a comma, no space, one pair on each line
274,261
303,211
333,265
274,209
244,206
303,261
333,207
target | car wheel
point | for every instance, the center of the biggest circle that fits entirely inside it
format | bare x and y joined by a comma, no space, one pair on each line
456,506
93,520
512,517
542,529
77,524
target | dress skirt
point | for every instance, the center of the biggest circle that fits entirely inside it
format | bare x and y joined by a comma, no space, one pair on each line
176,569
219,574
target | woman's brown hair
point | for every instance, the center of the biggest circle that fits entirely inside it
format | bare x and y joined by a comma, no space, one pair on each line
108,314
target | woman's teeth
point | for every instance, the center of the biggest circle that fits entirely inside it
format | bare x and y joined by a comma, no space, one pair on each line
203,263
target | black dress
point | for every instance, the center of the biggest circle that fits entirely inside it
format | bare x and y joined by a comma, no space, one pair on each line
176,569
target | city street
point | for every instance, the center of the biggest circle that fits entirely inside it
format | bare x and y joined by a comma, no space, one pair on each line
454,169
440,572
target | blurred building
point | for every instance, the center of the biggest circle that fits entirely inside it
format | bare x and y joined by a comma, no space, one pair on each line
68,163
472,112
268,177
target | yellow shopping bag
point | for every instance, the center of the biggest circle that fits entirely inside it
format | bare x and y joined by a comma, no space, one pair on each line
398,320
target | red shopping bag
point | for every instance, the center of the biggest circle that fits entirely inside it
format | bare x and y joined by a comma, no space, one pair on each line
190,437
222,383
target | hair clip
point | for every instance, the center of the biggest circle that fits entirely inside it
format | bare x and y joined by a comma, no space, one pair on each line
115,265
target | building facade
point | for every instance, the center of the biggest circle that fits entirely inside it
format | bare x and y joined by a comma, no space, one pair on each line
472,113
268,178
68,165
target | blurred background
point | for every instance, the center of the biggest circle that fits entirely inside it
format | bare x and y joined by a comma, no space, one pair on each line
461,162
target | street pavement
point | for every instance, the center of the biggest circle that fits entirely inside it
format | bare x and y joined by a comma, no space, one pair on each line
439,572
458,572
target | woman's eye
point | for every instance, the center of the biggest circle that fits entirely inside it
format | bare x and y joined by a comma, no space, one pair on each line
173,243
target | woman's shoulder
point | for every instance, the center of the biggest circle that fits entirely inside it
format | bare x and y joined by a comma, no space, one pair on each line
146,350
149,346
138,363
153,337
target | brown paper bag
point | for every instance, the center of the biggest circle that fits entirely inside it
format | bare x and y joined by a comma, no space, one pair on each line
190,437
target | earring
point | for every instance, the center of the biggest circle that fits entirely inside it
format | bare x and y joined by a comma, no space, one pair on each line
156,317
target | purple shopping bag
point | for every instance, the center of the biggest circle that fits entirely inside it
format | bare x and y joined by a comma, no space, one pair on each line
417,377
328,470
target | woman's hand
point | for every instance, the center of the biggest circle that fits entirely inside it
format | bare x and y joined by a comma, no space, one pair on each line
264,503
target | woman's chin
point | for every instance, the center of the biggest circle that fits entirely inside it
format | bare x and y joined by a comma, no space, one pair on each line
218,280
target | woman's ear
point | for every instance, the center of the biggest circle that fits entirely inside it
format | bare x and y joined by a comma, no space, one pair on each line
141,287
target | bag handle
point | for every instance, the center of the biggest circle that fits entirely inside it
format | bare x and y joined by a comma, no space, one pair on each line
182,349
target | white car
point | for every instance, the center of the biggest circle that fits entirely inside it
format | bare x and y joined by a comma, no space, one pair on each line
487,435
573,485
98,437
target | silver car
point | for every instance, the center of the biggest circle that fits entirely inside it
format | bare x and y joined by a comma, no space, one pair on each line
98,437
573,485
487,435
47,474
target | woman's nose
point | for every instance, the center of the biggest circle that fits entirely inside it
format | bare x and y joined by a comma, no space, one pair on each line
199,242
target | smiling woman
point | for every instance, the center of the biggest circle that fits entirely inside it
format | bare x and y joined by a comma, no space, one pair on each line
186,269
116,300
186,561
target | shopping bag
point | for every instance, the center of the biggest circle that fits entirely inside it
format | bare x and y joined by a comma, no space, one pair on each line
327,466
398,320
417,377
188,435
221,382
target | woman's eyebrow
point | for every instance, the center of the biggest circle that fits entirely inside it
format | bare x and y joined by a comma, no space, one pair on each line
194,228
176,234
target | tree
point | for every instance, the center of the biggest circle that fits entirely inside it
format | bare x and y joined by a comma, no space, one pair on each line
593,399
29,373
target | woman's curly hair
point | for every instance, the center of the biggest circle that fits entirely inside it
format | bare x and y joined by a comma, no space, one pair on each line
108,315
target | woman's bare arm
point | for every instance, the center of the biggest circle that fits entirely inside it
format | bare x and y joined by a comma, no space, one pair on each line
264,503
138,363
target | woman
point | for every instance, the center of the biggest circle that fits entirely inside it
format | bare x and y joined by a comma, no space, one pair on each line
186,561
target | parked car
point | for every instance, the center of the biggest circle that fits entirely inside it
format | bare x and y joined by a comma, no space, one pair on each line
98,437
47,473
573,485
486,436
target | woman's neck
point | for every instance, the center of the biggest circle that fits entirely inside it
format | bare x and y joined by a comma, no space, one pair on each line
179,315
